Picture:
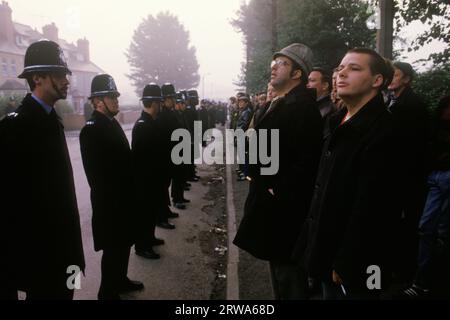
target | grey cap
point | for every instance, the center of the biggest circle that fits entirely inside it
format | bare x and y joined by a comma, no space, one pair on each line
299,53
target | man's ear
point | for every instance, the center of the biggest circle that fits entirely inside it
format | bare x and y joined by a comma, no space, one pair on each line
97,102
296,74
378,81
37,78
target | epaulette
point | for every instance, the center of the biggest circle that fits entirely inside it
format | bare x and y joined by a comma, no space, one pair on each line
90,123
12,115
141,121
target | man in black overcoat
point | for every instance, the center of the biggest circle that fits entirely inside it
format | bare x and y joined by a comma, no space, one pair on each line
412,122
348,237
40,232
107,162
148,158
278,202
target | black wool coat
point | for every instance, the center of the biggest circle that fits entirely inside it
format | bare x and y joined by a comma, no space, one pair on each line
271,223
40,233
148,158
107,162
352,220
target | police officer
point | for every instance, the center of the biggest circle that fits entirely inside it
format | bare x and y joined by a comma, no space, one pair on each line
106,158
40,233
192,116
148,158
169,123
180,170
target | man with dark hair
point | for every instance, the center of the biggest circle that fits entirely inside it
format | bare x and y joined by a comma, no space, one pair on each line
106,156
349,232
320,80
411,119
40,235
277,204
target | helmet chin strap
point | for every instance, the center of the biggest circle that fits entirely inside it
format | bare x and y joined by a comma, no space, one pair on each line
60,95
107,108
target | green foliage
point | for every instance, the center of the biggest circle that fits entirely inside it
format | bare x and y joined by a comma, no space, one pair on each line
63,107
435,15
433,85
328,27
160,52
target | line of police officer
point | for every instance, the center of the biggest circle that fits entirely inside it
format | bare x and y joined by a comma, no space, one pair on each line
130,193
41,237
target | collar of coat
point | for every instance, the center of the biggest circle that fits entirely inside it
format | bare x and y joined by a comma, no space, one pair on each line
31,110
298,93
100,118
402,101
363,119
145,116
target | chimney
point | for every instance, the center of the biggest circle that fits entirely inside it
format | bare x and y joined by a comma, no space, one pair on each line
51,32
6,24
83,48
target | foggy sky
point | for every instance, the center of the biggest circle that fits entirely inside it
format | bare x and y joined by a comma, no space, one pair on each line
109,27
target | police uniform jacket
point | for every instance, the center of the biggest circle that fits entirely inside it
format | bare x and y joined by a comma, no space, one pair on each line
40,224
148,158
107,162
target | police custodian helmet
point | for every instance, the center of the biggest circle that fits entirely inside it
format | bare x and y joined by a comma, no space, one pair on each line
103,85
168,90
152,92
180,97
44,56
192,95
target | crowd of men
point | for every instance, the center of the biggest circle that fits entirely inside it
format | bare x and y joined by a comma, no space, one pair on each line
130,197
359,207
360,200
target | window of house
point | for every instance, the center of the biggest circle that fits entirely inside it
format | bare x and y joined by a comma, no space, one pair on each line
13,67
4,67
73,80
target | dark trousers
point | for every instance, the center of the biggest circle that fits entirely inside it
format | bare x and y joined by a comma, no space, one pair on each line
146,230
162,213
434,228
289,281
114,269
177,189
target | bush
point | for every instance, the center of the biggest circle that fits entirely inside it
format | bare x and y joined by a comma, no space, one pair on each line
63,107
433,85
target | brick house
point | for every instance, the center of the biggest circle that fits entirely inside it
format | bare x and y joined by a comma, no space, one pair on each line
14,40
